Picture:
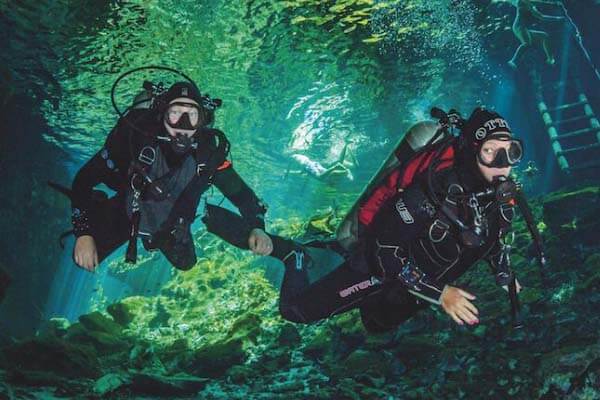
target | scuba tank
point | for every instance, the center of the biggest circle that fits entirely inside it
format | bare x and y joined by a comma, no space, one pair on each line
419,136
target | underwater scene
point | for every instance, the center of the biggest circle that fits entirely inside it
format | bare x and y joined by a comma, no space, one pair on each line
300,199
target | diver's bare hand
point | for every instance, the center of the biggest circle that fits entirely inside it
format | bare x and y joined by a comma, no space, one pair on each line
85,253
259,242
456,303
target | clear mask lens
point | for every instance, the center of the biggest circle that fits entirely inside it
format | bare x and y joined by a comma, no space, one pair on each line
183,115
501,156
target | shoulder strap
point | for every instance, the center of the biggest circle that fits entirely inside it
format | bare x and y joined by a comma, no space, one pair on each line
211,154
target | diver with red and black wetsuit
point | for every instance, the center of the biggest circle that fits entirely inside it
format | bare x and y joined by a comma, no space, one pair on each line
422,228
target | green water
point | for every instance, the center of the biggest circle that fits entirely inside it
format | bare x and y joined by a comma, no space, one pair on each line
299,79
296,77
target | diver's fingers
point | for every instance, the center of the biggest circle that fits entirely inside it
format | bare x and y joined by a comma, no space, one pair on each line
260,249
83,262
95,259
269,247
467,316
463,316
471,307
252,242
466,294
89,262
456,319
266,245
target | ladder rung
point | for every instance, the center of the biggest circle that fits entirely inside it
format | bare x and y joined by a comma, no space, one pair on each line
577,133
580,148
564,121
570,105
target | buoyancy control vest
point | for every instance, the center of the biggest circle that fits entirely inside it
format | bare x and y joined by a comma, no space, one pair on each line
159,195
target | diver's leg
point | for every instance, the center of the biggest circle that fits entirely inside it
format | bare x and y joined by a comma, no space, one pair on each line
542,38
522,34
386,310
513,61
180,249
336,169
341,290
111,226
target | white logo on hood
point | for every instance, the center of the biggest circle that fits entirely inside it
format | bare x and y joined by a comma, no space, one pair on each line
491,125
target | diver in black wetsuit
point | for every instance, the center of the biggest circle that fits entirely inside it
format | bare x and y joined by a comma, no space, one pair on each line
430,220
528,37
159,161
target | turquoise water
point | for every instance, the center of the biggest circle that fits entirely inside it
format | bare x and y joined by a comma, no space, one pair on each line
300,80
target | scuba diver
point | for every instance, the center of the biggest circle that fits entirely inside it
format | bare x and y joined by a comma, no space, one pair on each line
530,37
337,169
161,156
429,218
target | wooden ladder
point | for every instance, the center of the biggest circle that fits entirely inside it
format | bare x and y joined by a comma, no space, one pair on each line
573,127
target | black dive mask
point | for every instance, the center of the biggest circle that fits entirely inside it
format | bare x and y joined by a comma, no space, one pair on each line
183,115
501,157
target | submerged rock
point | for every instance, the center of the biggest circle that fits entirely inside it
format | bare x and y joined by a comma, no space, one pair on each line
102,342
109,383
561,369
319,343
240,374
166,386
124,311
380,364
246,327
53,356
213,359
56,327
153,384
572,215
289,336
97,322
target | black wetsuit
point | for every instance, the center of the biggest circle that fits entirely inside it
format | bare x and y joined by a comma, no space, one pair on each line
108,220
405,257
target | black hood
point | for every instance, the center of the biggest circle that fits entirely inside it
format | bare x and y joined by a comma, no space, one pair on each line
477,129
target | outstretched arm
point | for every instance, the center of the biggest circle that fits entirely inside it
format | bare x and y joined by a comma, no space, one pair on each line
109,166
252,209
543,17
106,166
229,182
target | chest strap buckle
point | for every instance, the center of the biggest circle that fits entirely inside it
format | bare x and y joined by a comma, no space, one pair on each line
147,155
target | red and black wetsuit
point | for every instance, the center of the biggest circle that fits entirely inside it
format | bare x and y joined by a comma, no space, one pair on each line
409,250
108,221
